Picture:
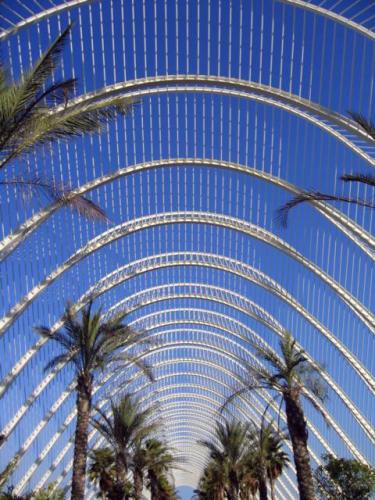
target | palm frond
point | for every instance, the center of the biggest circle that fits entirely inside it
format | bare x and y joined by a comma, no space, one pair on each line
362,178
46,126
19,101
282,213
366,124
54,362
32,187
45,66
145,368
316,404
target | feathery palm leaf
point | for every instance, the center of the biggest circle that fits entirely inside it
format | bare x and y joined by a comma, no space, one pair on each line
127,425
36,111
93,343
282,213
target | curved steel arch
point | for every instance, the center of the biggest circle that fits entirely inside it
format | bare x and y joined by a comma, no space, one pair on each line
240,88
186,217
235,267
247,308
350,228
70,4
317,9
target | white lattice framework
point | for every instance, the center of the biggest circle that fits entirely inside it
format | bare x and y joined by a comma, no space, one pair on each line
242,104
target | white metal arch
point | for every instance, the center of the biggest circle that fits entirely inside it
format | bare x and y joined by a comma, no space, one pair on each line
350,228
241,88
188,217
70,4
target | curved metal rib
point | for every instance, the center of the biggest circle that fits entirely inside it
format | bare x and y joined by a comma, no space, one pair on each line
351,229
225,221
70,4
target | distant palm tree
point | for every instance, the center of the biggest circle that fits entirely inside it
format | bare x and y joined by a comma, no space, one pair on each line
212,482
138,466
36,111
102,470
249,483
266,456
159,462
228,450
292,376
127,424
166,489
90,345
277,460
310,196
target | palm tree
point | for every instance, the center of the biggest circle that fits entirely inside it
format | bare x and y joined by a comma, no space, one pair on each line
102,470
138,466
249,483
90,345
36,111
212,483
128,424
368,179
266,457
166,490
230,450
291,376
277,460
159,462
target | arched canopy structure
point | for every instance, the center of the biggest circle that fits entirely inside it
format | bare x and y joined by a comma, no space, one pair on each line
242,104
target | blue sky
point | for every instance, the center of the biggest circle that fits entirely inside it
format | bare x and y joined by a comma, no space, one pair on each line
268,43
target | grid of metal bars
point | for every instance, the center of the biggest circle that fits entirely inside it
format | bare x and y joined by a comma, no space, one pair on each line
241,104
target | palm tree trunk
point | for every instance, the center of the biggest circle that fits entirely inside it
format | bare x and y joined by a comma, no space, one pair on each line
118,490
262,473
263,494
233,488
298,434
272,485
83,402
153,485
138,484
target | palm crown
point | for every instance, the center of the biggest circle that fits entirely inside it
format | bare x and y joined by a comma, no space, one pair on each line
92,343
128,424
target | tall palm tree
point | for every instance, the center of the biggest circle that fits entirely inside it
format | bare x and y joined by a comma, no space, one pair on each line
229,449
292,376
102,470
37,111
90,345
368,179
159,462
127,425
